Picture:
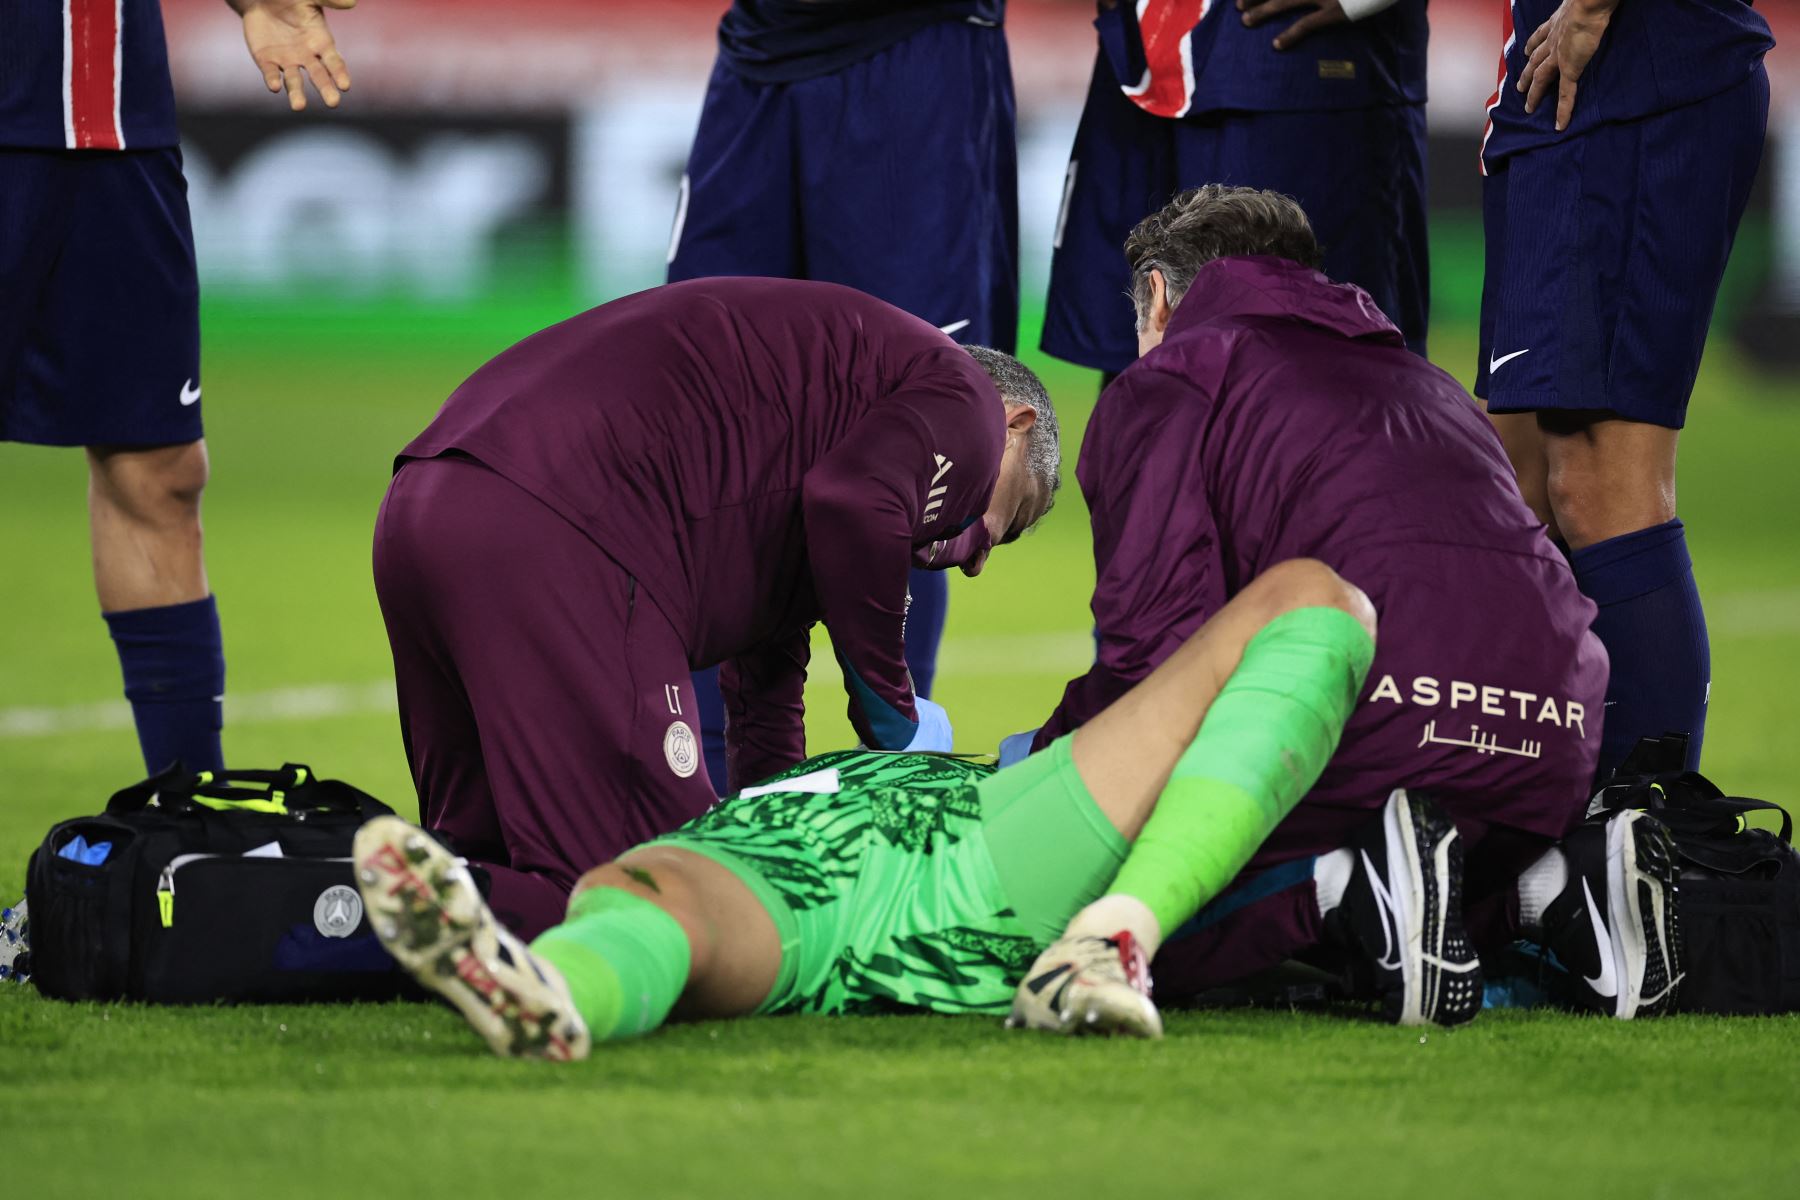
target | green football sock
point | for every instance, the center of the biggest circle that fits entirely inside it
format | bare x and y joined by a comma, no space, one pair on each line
1264,742
625,960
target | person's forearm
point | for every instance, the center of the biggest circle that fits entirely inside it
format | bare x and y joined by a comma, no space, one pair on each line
860,555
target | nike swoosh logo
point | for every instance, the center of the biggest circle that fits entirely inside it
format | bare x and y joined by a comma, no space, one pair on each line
1390,925
1494,364
189,394
1043,981
955,326
1607,982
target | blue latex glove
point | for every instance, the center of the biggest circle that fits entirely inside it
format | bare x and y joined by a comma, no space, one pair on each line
1015,748
78,850
934,727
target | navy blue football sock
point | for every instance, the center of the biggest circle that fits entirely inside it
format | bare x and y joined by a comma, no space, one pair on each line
925,626
174,667
709,712
1655,633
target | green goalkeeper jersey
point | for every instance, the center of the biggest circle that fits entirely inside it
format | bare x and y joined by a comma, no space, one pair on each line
903,880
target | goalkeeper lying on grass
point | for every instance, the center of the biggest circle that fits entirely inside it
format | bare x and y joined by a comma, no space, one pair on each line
866,882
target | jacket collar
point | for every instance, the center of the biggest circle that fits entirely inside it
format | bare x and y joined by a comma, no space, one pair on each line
1265,286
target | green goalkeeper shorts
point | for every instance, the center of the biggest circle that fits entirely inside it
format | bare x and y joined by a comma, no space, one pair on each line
912,880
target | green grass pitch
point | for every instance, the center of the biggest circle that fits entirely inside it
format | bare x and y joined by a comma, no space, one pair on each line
304,414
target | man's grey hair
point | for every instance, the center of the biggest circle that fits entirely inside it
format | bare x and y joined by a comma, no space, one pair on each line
1210,222
1018,384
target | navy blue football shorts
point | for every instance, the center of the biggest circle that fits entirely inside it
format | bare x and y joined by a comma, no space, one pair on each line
1359,174
100,315
896,175
1604,256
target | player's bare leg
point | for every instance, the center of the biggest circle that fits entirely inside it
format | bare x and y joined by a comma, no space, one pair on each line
693,938
1524,445
1137,758
1612,486
1607,476
144,511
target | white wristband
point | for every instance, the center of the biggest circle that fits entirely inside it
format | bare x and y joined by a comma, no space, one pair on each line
1356,10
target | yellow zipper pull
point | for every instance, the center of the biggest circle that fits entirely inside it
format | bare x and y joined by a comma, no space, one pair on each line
165,897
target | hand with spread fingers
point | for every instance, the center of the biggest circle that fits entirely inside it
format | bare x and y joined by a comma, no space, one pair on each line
290,42
1560,51
1325,14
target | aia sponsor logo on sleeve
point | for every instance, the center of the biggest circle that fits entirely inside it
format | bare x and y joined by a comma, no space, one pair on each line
934,500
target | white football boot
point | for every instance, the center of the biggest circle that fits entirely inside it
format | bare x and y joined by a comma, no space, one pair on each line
424,906
15,943
1088,985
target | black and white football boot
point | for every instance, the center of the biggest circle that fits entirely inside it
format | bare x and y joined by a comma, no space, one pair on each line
15,944
1400,922
1614,928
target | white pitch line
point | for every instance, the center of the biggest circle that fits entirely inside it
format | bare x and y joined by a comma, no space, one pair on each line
250,708
1753,614
1013,655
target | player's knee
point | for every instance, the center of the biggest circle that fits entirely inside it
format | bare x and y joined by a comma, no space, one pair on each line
158,487
1309,583
650,876
1607,476
644,877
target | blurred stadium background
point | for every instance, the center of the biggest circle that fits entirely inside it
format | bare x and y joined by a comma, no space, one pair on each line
535,147
498,166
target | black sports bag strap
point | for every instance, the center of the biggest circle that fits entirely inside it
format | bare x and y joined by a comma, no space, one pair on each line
1688,802
175,789
335,796
171,781
1748,804
291,790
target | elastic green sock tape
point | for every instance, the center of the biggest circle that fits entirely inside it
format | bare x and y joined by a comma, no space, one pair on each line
1263,744
625,959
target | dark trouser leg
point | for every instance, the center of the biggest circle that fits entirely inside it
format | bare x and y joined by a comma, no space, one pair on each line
1261,921
709,714
510,624
930,592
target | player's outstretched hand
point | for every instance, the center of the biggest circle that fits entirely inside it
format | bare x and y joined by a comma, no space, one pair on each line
290,42
1560,51
1331,12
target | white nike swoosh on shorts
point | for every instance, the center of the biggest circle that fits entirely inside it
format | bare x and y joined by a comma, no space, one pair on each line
1494,364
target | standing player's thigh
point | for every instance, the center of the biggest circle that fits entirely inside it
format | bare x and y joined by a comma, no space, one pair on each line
909,180
1614,258
1120,171
1360,176
1493,229
736,212
1684,233
113,357
36,188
